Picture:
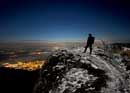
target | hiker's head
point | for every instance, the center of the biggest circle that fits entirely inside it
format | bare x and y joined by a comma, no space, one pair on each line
90,35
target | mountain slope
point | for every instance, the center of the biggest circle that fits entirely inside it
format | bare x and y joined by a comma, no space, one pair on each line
71,71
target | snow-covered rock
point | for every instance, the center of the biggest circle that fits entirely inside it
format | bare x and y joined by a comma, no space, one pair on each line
71,71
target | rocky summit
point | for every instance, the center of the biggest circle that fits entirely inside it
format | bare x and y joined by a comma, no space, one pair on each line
71,71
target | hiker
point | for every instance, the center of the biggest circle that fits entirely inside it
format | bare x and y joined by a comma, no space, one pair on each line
89,44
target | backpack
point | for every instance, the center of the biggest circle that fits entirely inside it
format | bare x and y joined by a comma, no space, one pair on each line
93,39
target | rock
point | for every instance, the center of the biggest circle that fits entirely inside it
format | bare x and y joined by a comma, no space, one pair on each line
71,71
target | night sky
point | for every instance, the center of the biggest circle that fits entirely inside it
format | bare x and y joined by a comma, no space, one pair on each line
64,19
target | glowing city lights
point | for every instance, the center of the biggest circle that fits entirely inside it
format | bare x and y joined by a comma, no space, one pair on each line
30,66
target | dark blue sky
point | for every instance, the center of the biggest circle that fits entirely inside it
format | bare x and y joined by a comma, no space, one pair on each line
64,19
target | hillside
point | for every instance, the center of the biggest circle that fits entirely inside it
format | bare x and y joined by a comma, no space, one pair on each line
71,71
17,80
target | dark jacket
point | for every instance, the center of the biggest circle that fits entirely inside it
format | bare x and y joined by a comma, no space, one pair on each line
90,40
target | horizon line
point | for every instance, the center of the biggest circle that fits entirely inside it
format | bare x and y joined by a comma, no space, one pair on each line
13,41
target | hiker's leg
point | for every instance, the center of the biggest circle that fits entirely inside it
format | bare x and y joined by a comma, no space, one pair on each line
90,49
85,49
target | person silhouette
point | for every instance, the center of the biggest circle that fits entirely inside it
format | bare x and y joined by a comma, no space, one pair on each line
89,44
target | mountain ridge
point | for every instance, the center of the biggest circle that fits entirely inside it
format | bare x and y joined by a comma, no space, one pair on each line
71,71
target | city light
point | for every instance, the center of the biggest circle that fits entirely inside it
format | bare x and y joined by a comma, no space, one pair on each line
56,48
30,66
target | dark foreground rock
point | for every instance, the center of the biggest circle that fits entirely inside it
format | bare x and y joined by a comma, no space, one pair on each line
71,71
17,80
